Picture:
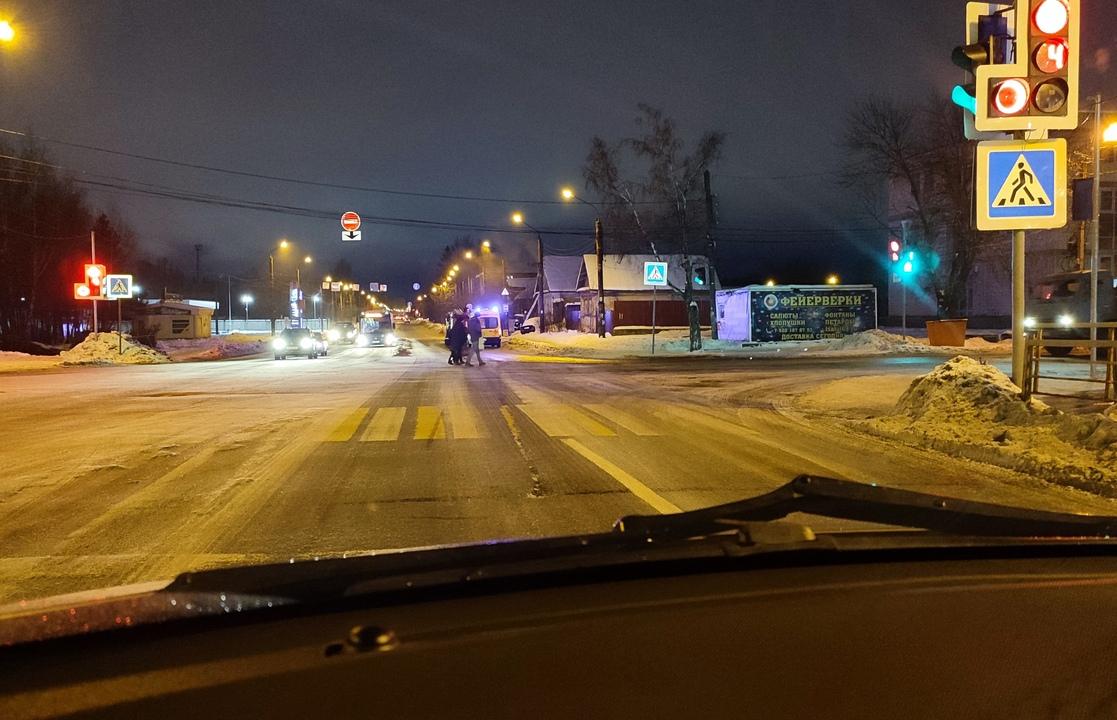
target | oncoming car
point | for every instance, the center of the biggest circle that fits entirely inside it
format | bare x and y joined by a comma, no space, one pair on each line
342,333
295,341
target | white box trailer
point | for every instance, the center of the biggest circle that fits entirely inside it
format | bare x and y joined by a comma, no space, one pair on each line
774,313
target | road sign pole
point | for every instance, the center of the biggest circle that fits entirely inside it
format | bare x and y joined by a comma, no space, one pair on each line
904,308
1095,232
93,260
119,329
653,319
1018,346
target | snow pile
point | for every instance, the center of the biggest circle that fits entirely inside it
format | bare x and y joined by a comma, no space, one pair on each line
214,348
403,348
968,409
877,341
104,349
964,389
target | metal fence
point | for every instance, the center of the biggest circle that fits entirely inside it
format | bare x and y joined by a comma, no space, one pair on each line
1105,347
223,326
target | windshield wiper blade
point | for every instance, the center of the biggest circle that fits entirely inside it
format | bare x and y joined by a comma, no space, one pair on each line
848,500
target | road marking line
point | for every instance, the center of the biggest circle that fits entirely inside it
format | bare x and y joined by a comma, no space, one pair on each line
626,421
633,485
463,422
696,417
345,429
560,359
429,424
586,422
385,425
550,419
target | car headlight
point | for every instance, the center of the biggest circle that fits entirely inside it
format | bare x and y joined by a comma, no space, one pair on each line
390,338
1066,320
1029,322
279,344
333,335
362,340
306,343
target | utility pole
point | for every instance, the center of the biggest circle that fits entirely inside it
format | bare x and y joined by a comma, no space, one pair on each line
599,248
711,250
1095,232
197,262
229,280
539,282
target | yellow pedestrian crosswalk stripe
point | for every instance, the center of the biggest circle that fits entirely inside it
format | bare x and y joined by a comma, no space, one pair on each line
463,423
629,422
429,424
345,429
560,420
385,425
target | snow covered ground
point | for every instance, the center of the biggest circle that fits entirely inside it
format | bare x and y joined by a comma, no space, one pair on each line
971,409
19,362
675,342
219,347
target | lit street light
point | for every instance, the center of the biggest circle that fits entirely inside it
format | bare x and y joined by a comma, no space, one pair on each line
7,32
247,300
832,280
599,251
518,219
770,283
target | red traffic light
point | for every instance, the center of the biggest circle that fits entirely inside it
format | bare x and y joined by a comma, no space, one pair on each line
1011,96
1051,55
94,274
82,291
1051,16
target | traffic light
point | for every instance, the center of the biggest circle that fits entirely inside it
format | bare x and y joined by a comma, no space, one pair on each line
1035,85
700,276
92,288
987,41
894,250
911,263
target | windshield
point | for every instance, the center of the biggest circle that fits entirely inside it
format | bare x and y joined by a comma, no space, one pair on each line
299,280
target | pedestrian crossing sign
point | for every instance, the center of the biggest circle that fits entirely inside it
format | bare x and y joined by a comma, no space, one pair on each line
655,274
1021,184
118,287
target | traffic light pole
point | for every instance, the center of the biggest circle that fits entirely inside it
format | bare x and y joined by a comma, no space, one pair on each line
1018,280
93,260
1095,233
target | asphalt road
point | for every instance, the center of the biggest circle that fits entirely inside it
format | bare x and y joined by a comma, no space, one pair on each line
129,474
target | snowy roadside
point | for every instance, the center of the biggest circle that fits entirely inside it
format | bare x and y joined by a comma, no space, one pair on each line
220,347
21,362
675,343
969,409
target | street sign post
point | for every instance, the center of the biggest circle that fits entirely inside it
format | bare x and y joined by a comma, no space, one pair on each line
1021,184
655,274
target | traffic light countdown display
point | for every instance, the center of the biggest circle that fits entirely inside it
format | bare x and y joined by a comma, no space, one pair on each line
1026,80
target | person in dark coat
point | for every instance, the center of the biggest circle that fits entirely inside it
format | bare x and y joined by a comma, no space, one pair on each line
458,334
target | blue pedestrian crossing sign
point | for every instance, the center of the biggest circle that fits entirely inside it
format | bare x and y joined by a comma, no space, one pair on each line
655,274
118,287
1021,184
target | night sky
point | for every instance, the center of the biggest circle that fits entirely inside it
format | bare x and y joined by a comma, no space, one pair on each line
489,99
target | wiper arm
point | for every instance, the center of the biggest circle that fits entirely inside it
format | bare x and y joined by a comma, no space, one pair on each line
847,500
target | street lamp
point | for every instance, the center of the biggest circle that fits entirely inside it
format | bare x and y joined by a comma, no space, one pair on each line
518,219
317,299
599,249
832,280
770,283
7,32
247,300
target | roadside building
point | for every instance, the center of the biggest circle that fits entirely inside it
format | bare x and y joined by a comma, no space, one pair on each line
628,301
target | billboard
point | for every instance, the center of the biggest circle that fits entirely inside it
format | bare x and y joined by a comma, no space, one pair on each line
811,313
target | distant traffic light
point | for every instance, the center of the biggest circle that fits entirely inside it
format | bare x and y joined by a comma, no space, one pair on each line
911,263
894,250
700,276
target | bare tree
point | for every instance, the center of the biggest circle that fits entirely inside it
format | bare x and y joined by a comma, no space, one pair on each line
654,208
918,151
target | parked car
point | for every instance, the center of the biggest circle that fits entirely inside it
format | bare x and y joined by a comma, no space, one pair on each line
295,341
1065,299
